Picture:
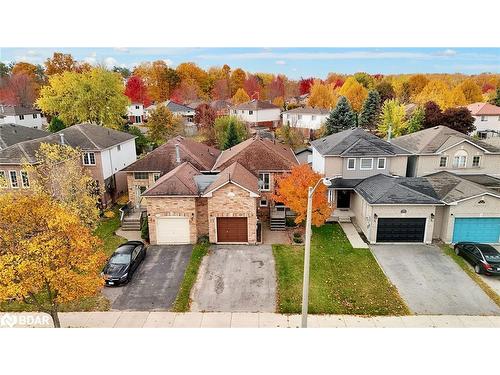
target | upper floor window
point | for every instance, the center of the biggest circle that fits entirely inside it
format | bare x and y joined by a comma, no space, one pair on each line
484,118
250,112
25,180
313,117
299,117
138,119
366,163
88,158
351,164
21,117
460,159
381,163
443,160
13,179
476,160
136,107
35,115
141,175
265,181
3,180
156,176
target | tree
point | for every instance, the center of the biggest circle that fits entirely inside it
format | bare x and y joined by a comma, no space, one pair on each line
94,96
364,79
416,84
4,70
159,79
292,191
371,111
459,119
355,93
26,68
195,77
55,125
237,79
47,256
322,95
59,63
416,120
142,143
241,96
393,117
456,98
124,72
163,124
471,91
277,88
205,119
136,91
186,92
252,87
18,89
496,99
305,85
59,173
232,138
436,91
341,117
290,136
222,125
221,89
433,116
279,101
385,90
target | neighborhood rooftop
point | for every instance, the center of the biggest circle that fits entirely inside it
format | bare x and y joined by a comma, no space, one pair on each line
308,111
11,134
179,181
255,105
16,110
237,174
483,109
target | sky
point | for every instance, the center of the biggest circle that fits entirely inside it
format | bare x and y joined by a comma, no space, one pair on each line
294,62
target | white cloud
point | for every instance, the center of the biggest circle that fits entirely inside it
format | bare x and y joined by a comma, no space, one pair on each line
280,62
32,53
110,62
90,60
448,52
122,49
168,62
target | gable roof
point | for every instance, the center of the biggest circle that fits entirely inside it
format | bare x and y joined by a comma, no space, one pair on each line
256,105
308,111
172,106
87,137
482,179
11,134
483,109
179,181
238,175
258,154
163,158
16,110
356,142
434,140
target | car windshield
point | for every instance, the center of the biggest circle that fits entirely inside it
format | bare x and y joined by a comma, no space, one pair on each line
492,257
120,259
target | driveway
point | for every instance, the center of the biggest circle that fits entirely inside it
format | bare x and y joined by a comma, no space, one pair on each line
432,283
236,278
156,281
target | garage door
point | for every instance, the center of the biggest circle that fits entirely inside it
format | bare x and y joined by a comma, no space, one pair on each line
232,229
172,230
476,229
401,230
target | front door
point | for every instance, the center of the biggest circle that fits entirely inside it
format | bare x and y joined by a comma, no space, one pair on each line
343,199
138,192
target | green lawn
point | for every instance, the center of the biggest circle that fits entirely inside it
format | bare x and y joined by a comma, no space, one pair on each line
182,301
448,250
343,280
106,232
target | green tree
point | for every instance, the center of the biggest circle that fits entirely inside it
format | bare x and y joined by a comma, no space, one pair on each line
232,138
370,111
222,125
142,143
393,117
56,124
496,98
163,124
341,117
415,121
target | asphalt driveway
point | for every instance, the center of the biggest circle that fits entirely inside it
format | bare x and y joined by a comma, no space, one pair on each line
432,283
236,278
156,282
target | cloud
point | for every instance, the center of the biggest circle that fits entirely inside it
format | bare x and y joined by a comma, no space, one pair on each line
110,62
168,62
122,49
492,68
32,53
447,52
280,62
90,60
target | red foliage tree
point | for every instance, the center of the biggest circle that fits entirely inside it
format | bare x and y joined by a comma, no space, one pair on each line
277,88
184,93
487,87
221,89
252,87
205,119
305,85
338,83
433,115
136,91
18,89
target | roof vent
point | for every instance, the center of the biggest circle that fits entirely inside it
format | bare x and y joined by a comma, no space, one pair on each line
61,136
177,153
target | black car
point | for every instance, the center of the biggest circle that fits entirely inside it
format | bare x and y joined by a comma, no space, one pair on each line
123,263
484,258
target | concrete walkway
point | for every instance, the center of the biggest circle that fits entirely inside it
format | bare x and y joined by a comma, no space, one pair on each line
129,235
139,319
353,236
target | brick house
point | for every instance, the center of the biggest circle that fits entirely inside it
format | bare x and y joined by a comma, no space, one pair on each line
258,113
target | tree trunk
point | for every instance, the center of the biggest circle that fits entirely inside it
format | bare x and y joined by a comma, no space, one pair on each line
55,318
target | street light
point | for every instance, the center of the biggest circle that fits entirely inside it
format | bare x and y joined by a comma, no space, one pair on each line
307,252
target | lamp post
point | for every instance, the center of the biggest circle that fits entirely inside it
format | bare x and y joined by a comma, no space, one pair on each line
307,252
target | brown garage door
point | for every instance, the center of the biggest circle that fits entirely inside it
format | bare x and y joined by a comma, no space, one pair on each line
232,229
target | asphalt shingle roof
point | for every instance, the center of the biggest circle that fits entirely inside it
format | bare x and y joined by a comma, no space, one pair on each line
10,134
308,111
239,175
485,109
179,181
11,110
255,105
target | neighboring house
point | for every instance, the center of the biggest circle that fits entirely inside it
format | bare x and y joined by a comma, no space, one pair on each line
187,114
105,152
222,107
443,149
136,113
147,170
304,155
486,119
25,116
300,100
257,113
10,134
305,118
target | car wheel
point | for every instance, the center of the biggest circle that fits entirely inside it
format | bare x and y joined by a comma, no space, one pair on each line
457,250
478,269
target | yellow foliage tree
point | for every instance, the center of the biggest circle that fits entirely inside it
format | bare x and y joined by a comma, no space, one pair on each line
456,98
322,95
417,83
163,124
47,256
472,92
436,91
279,101
241,96
393,117
355,92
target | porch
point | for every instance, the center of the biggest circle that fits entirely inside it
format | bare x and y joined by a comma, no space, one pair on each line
131,217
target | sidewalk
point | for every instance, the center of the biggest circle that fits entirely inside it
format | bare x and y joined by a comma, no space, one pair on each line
129,319
353,236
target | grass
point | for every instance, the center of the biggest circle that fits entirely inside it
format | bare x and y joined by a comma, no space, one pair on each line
448,250
183,301
343,280
106,232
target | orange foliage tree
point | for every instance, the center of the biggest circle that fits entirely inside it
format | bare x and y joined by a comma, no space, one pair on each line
292,192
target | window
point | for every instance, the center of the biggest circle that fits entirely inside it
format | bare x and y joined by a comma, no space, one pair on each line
3,181
13,179
484,118
366,163
136,107
331,195
313,117
460,159
381,163
156,176
119,147
24,179
351,164
250,112
483,135
263,202
190,119
88,158
34,115
21,117
141,175
443,161
265,181
299,117
476,160
138,119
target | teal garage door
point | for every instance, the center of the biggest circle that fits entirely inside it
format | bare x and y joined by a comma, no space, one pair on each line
477,230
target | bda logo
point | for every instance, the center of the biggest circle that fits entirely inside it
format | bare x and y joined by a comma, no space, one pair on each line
8,320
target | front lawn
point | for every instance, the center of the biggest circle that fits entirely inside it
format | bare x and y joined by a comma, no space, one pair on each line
343,280
106,232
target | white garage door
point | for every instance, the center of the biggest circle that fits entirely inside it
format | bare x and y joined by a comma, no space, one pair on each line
172,230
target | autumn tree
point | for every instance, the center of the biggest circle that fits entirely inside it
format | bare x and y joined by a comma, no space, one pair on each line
471,91
305,85
436,91
186,92
59,63
322,95
58,172
136,91
279,101
292,191
415,121
364,79
290,136
456,98
56,124
392,119
221,89
237,79
252,86
385,90
341,117
47,256
163,124
195,77
417,83
94,96
159,78
18,89
222,132
277,88
459,119
28,69
205,117
336,80
496,99
370,112
355,93
433,116
241,96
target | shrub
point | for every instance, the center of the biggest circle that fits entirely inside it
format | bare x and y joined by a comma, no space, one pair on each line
290,222
145,229
122,199
109,214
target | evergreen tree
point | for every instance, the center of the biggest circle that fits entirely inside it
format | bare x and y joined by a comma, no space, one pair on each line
232,138
341,117
371,110
56,124
496,99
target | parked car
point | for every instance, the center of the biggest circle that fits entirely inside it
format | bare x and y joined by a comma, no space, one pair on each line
121,266
484,258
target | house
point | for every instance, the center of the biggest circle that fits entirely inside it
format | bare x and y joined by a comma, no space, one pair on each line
228,203
19,115
136,113
222,107
300,100
307,119
105,152
441,148
304,155
257,113
10,134
183,111
486,119
144,172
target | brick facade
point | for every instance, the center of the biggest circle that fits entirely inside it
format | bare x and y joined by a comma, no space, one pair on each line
202,216
133,183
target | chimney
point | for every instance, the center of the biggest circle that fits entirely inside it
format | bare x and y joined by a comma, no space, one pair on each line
61,135
389,131
177,153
